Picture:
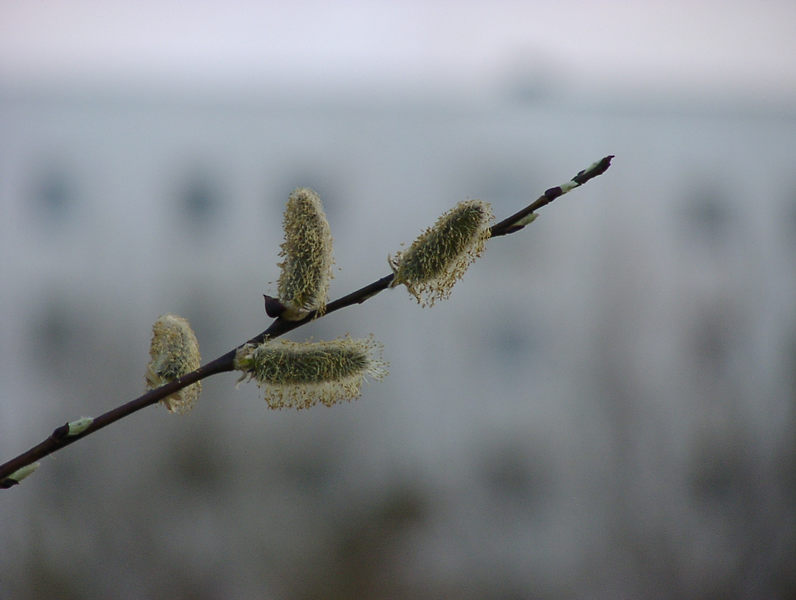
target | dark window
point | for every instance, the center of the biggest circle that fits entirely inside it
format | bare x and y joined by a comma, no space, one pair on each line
707,215
199,201
53,195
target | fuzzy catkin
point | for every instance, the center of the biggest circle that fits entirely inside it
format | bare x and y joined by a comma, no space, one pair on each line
300,375
438,258
174,351
307,251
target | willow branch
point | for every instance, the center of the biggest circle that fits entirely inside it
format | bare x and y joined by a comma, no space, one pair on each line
67,434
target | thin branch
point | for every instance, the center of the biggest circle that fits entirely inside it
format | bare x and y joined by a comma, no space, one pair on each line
510,224
61,436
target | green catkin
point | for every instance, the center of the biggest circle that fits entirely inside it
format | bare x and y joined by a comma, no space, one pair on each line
174,351
438,258
299,375
307,251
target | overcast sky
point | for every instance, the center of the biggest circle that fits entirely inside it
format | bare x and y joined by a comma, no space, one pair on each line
732,45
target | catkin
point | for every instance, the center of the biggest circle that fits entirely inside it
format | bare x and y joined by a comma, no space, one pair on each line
174,351
300,375
438,258
307,251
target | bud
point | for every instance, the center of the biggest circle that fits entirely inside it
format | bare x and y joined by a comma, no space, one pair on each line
174,351
300,375
307,250
442,253
78,426
526,220
19,475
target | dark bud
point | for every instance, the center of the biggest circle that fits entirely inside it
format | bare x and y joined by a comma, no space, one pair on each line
60,432
553,192
273,307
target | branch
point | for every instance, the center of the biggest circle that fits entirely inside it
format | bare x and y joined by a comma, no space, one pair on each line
17,468
521,218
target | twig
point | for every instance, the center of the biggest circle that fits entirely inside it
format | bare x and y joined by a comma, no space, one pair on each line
67,433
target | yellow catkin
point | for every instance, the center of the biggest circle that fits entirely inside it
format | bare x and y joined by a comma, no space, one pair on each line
307,252
299,375
438,258
174,351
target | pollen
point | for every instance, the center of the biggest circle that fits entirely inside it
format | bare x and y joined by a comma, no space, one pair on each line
438,258
300,375
307,252
174,351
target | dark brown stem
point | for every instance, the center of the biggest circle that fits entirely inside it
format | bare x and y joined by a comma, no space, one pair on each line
60,436
509,224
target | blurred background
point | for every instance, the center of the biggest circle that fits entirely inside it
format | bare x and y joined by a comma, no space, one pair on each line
604,408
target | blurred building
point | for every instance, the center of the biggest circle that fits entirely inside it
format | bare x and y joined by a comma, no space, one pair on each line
605,407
